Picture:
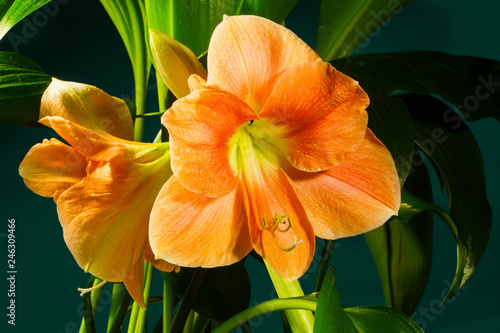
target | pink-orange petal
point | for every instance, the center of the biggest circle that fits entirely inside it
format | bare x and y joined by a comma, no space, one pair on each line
247,53
89,107
105,216
51,167
321,112
268,194
201,126
191,230
356,196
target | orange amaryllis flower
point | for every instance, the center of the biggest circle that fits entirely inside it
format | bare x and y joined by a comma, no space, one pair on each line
104,185
270,151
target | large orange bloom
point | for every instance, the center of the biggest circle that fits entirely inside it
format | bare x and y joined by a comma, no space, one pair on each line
104,184
271,150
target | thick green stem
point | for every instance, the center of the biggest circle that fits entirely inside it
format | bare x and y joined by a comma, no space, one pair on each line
300,320
142,316
267,307
116,298
168,306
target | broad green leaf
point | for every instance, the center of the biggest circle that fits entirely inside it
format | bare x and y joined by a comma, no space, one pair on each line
13,11
22,84
276,10
402,251
390,120
330,315
225,291
411,206
471,83
457,159
377,319
345,25
129,18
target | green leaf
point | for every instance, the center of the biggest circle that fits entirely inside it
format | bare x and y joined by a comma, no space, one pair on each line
457,159
129,18
471,83
345,25
402,251
22,84
13,11
225,291
391,122
276,10
189,22
330,315
192,22
375,319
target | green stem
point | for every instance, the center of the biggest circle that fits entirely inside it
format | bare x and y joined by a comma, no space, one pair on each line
325,260
168,306
116,298
141,325
88,325
300,320
188,300
140,64
133,318
267,307
120,314
189,323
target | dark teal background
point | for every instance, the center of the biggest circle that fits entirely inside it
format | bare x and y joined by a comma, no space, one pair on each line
78,42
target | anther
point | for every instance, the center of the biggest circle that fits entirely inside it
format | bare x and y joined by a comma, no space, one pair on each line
83,291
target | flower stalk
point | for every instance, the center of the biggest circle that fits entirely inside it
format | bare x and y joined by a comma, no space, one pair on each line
300,320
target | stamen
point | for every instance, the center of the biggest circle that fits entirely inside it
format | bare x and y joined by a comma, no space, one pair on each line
264,226
280,224
293,246
88,290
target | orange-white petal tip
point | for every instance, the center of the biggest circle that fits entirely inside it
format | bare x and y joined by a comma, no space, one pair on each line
174,62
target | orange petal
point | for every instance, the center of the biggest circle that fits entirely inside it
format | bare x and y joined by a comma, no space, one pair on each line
191,230
104,147
162,265
247,53
134,282
52,167
356,196
174,62
201,126
268,195
89,107
322,113
105,216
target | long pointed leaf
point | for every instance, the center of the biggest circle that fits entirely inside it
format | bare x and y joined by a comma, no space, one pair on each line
370,319
22,84
330,315
402,251
129,17
189,22
344,25
471,83
13,11
457,159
